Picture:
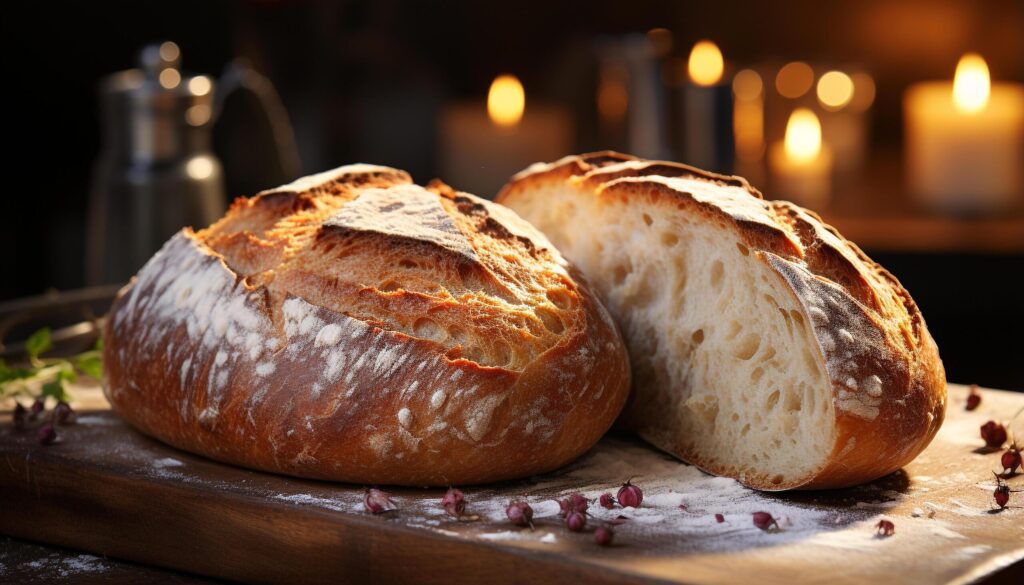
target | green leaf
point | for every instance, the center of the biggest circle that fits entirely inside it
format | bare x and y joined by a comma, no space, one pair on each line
91,364
56,390
38,343
7,373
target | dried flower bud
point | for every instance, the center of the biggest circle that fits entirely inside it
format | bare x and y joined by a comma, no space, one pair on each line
885,528
604,535
520,513
1002,495
719,518
576,521
607,501
764,521
579,503
973,399
63,413
630,496
38,406
994,434
454,502
574,503
20,412
47,434
378,502
1011,459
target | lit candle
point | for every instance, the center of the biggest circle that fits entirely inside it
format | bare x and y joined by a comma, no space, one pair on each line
844,100
481,148
801,165
748,124
707,137
965,140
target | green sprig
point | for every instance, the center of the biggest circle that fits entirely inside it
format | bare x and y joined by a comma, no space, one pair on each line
50,373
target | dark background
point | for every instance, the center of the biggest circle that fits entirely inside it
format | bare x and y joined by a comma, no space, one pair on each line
364,81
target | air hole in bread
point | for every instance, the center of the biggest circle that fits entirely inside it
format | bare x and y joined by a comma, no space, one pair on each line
620,272
756,374
773,400
747,346
560,299
778,479
408,264
717,272
459,335
425,328
669,239
502,354
793,401
797,317
743,249
550,319
647,219
389,286
734,329
698,336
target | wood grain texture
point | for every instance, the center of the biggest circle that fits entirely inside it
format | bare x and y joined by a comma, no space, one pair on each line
110,491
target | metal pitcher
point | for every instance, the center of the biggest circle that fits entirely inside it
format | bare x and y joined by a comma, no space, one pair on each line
157,171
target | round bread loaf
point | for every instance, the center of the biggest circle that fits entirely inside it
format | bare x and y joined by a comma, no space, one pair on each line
353,326
764,346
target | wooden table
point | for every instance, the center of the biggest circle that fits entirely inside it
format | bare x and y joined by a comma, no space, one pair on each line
110,491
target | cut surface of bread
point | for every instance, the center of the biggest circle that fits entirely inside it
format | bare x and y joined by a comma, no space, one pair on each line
354,326
764,346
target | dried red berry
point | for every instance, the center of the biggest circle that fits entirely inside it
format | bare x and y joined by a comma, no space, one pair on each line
47,434
764,521
576,521
607,501
719,518
520,513
38,406
973,399
683,507
994,434
454,502
630,496
604,535
1001,493
574,503
20,412
885,528
63,413
1011,459
378,502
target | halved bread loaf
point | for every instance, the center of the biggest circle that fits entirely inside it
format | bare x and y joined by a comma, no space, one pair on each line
764,346
354,326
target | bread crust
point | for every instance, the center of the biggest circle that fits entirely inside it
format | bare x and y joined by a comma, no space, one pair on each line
259,355
888,383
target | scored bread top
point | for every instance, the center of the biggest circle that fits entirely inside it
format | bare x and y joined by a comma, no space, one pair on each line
354,326
887,380
405,258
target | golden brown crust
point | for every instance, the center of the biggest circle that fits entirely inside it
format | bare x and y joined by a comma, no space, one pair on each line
887,379
352,326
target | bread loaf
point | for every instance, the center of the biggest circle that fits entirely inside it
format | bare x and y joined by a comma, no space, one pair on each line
764,346
353,326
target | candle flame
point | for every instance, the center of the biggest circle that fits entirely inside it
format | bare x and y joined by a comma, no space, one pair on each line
803,136
706,65
971,84
506,101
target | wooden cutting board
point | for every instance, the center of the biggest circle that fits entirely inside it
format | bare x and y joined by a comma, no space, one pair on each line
108,490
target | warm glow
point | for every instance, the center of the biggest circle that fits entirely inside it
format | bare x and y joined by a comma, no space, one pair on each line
660,40
803,136
971,84
169,51
506,101
747,85
199,168
835,90
200,85
863,92
169,78
612,95
706,63
794,79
